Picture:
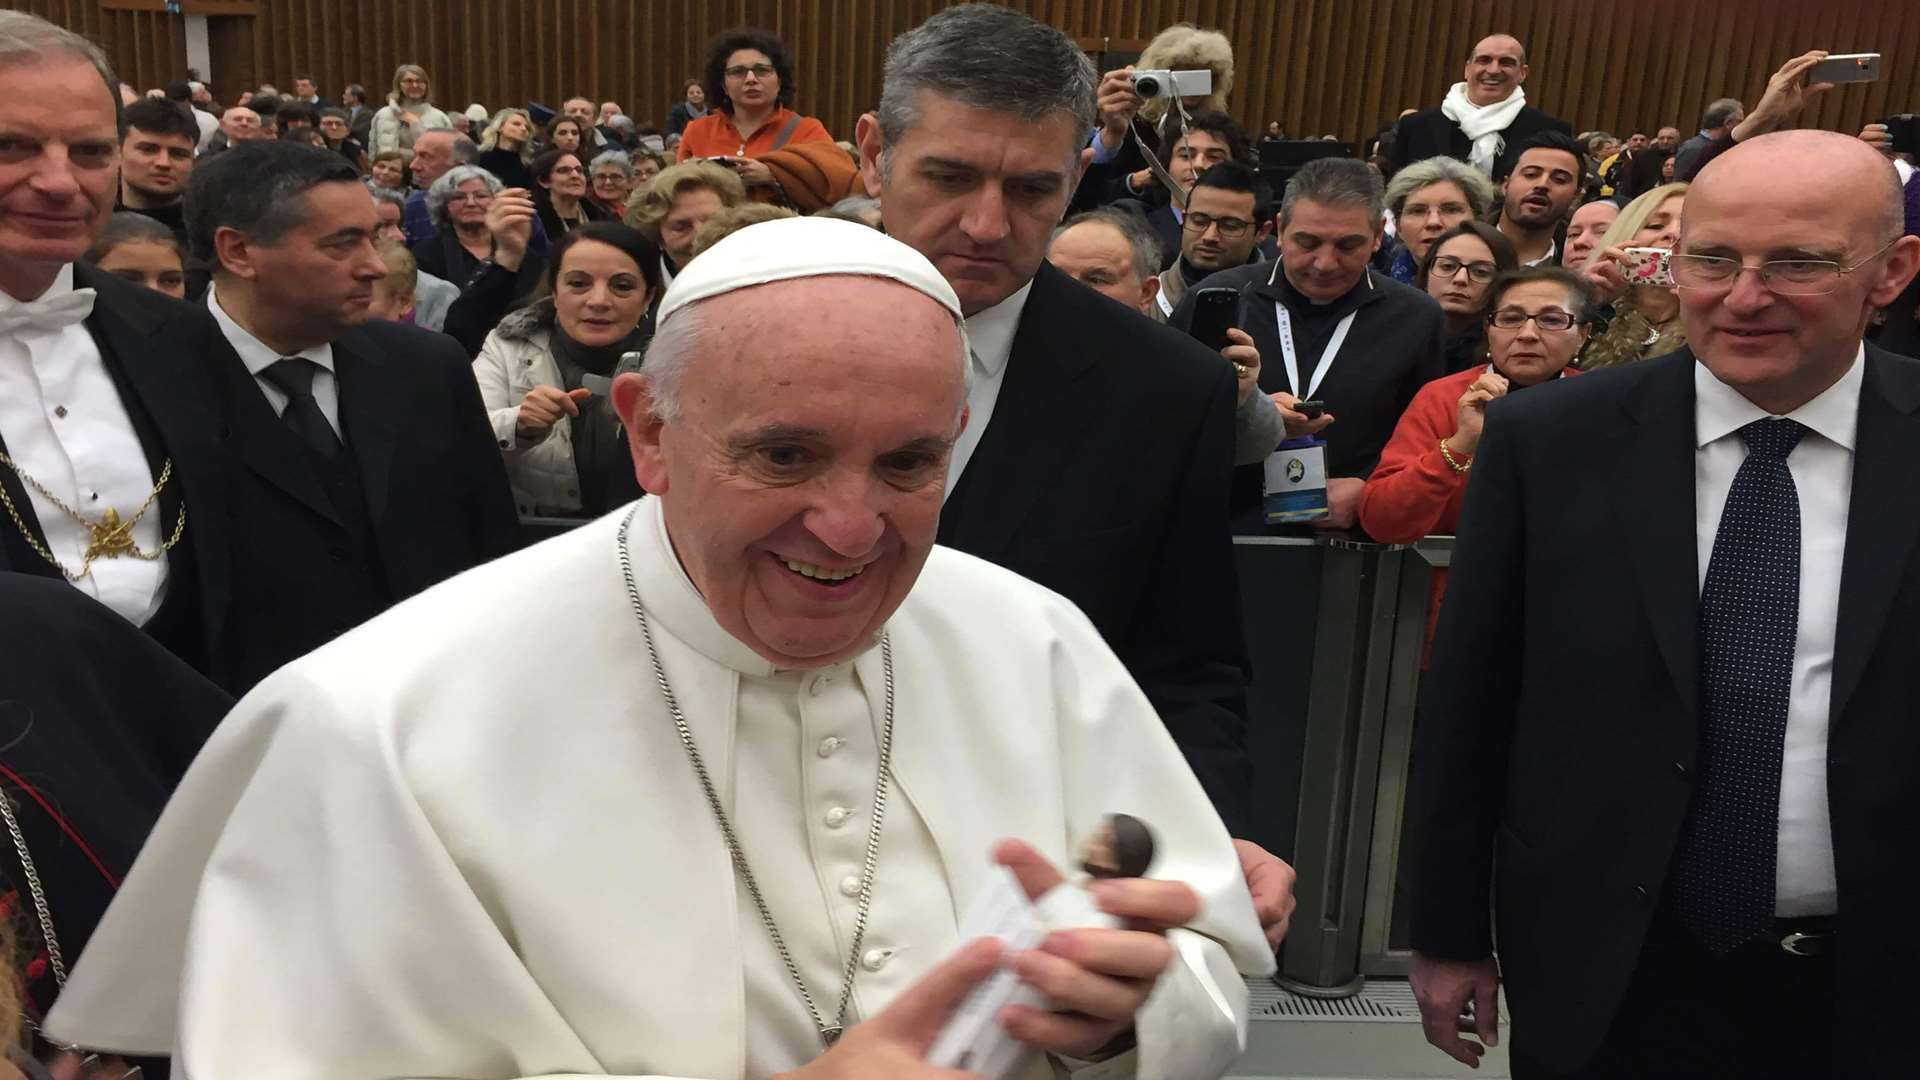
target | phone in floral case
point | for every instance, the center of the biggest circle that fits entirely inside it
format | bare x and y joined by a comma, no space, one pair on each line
1647,266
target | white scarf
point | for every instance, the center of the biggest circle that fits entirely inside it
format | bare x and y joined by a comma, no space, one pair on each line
1483,123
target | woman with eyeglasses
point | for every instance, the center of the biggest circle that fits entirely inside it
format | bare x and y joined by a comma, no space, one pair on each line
1645,317
749,89
1457,270
1538,322
560,193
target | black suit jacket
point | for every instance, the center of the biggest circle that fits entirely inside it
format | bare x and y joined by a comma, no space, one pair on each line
1104,477
1429,133
434,481
1560,720
97,725
164,385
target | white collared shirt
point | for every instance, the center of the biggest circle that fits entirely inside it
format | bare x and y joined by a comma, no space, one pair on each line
259,356
990,332
1822,468
65,425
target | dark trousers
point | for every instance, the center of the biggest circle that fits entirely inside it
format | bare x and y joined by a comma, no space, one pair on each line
1756,1013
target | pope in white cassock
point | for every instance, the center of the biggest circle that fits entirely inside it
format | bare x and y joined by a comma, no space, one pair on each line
571,813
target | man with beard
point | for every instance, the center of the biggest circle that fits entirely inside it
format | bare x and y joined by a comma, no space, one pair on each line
156,157
1226,218
1537,195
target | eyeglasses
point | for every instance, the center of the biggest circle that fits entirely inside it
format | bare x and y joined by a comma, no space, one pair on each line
1552,320
1782,277
470,197
1230,227
1479,273
568,170
758,71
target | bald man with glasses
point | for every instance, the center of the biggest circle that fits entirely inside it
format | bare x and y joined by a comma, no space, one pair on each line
1683,781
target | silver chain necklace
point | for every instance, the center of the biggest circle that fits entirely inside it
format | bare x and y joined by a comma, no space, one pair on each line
829,1033
54,959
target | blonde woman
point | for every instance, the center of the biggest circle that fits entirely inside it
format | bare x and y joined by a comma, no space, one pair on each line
506,148
408,112
1181,47
1646,318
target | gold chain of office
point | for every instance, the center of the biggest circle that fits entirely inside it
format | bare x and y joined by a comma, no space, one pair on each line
108,538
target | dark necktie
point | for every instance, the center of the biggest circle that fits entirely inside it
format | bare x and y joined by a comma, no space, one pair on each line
1723,886
294,378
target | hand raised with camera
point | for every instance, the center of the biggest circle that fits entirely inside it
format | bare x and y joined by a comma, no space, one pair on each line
1118,105
1606,275
1787,93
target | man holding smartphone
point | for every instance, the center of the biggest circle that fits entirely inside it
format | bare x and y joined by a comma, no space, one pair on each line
1334,333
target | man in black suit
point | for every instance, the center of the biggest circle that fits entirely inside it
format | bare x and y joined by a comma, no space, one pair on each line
1485,117
1353,338
1099,446
1688,769
107,432
365,468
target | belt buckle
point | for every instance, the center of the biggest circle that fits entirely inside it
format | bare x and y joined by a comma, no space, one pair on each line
1799,944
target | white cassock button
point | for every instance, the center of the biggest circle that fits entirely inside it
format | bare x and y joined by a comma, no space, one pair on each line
838,816
828,745
850,886
875,959
819,684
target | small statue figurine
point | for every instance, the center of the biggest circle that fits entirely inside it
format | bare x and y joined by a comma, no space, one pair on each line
1122,847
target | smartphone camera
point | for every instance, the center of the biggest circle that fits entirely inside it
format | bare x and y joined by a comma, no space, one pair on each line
1905,130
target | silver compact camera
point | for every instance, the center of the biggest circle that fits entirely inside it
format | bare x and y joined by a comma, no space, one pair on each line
1153,83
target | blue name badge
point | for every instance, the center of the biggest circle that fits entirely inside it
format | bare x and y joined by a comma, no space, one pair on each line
1296,484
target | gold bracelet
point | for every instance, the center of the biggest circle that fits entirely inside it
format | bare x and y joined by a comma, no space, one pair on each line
1451,463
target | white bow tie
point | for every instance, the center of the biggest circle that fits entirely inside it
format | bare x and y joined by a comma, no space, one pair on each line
46,314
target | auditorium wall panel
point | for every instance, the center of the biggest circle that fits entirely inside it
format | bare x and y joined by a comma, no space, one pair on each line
1339,67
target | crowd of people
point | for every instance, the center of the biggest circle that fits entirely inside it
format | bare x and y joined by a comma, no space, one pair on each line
291,386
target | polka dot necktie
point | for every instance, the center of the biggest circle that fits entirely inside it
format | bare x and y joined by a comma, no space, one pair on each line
1723,883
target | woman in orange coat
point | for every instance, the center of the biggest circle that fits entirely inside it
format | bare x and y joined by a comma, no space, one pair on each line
749,83
1537,323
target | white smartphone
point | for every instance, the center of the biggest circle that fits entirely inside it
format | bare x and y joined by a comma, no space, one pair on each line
1847,68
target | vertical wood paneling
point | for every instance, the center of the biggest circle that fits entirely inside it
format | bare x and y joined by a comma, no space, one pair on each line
1343,67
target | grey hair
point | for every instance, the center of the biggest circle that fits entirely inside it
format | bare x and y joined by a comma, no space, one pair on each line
1720,112
442,190
854,208
1434,170
613,157
678,337
1133,228
28,39
388,195
986,57
1335,182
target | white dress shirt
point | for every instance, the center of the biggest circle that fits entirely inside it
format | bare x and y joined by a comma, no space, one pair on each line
65,425
259,356
1822,468
990,332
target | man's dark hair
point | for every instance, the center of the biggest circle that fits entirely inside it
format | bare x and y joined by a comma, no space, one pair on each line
745,37
1239,177
1335,182
1579,294
1720,113
308,79
1215,123
357,93
615,235
268,106
1550,140
295,112
160,118
256,188
181,91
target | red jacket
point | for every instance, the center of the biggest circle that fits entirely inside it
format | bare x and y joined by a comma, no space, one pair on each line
1412,492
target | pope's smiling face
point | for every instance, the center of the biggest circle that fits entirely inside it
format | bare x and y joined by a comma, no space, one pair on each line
802,476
